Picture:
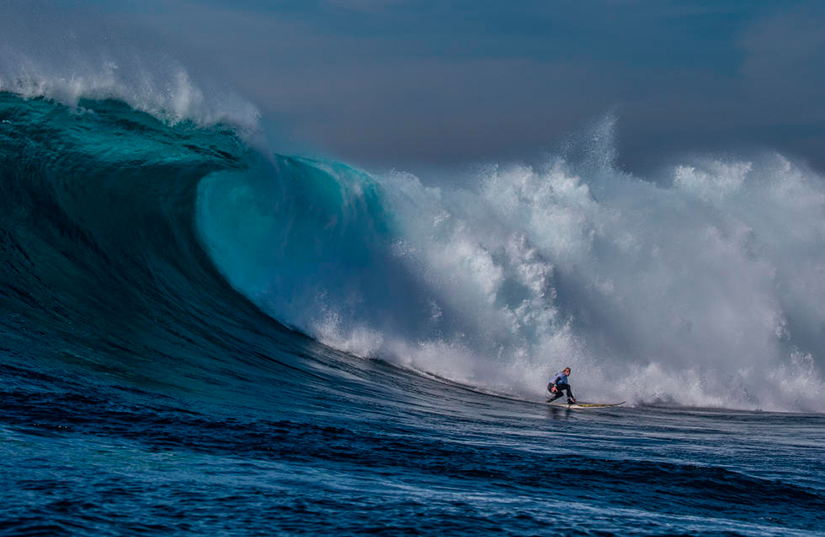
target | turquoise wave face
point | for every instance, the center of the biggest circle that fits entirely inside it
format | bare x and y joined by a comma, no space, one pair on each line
310,213
310,241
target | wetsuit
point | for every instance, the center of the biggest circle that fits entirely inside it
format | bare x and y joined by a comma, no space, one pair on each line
560,382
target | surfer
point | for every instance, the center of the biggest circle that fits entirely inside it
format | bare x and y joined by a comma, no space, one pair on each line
559,384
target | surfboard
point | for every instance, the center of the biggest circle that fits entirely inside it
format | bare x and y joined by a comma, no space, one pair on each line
583,405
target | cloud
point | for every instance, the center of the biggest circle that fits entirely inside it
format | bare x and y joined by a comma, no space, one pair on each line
785,56
368,6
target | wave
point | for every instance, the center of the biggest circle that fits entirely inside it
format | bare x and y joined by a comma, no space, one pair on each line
699,287
102,267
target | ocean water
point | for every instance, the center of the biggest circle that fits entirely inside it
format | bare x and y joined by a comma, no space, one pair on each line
200,336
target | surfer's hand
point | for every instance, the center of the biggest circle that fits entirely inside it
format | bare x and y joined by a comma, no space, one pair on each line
553,389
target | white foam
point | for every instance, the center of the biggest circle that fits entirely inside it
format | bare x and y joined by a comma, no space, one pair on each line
679,293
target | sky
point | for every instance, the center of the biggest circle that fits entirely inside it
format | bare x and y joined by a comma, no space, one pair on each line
429,83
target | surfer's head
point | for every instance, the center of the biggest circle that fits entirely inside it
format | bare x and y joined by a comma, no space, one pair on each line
566,371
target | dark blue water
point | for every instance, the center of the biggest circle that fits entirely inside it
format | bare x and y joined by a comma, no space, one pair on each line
142,393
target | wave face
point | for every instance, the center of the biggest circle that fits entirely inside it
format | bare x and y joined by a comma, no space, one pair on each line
102,270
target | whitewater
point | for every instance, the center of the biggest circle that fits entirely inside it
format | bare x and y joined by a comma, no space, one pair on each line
199,334
693,290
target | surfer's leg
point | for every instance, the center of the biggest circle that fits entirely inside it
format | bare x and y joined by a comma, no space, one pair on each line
566,388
